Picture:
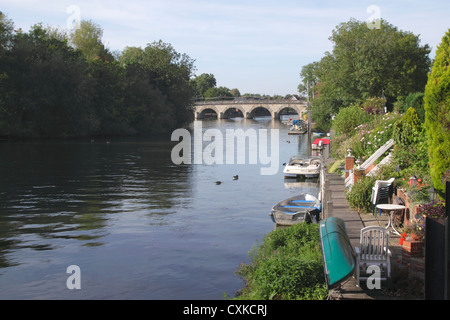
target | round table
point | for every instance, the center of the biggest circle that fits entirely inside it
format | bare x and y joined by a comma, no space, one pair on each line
391,208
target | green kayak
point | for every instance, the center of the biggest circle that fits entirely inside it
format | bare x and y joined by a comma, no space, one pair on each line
338,253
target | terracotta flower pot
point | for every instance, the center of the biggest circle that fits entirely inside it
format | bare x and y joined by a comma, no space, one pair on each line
416,237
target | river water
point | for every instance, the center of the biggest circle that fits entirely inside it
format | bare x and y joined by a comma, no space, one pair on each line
137,225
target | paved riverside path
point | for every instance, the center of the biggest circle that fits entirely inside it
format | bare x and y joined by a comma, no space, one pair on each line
353,224
340,208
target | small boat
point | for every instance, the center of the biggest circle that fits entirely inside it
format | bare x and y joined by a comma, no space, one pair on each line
338,254
302,167
318,144
298,127
301,208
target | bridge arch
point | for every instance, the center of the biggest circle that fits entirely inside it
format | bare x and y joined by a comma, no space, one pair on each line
288,109
200,112
233,111
247,107
251,112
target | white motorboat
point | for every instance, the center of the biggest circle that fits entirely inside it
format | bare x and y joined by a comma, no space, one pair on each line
302,167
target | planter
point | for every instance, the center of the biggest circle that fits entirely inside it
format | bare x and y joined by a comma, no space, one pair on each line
413,248
416,237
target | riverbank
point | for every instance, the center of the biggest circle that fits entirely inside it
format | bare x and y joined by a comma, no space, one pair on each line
407,272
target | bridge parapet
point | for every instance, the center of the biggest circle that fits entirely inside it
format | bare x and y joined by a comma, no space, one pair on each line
247,107
255,101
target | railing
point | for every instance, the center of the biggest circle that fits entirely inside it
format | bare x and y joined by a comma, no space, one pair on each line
377,154
349,179
386,160
248,101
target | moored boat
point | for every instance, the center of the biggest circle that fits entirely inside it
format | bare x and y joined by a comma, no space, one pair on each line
298,167
318,144
298,127
300,208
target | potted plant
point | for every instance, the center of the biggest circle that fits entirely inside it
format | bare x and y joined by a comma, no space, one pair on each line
416,230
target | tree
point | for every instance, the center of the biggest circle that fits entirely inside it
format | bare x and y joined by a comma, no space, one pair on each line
203,82
131,55
170,72
51,89
369,63
6,33
309,77
6,37
47,88
437,113
218,92
88,39
235,93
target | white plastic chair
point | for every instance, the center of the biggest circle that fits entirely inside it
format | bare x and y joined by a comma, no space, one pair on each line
373,250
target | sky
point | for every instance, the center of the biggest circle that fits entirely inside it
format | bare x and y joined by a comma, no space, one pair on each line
254,46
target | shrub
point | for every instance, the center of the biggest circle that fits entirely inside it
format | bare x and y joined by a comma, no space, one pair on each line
374,105
288,265
372,135
437,113
359,195
407,128
415,100
348,119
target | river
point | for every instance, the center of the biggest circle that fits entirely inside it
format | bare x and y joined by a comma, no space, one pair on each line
137,225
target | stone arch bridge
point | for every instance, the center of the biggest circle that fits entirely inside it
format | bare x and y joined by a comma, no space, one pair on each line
225,108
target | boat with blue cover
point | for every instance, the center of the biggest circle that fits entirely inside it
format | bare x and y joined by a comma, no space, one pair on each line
337,251
300,208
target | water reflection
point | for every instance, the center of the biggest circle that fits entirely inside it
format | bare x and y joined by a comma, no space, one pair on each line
67,190
138,226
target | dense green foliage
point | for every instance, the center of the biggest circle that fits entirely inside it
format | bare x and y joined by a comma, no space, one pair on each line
409,155
288,265
202,83
349,118
361,131
58,85
437,113
367,63
359,196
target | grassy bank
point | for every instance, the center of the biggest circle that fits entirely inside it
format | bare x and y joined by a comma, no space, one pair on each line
288,265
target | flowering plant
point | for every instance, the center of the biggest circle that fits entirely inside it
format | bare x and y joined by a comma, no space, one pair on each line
417,228
375,134
433,209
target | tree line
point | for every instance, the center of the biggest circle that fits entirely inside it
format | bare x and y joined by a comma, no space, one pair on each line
59,84
364,64
205,88
375,71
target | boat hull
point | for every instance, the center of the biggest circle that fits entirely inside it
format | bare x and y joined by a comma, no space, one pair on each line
338,254
298,209
309,168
